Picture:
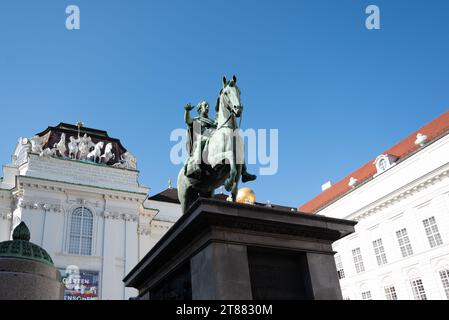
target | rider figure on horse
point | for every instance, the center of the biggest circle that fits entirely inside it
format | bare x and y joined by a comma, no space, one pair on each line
200,129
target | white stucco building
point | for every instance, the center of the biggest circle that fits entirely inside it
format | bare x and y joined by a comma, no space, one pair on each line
163,210
400,249
91,215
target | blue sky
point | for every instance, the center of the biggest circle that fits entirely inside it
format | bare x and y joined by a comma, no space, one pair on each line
338,93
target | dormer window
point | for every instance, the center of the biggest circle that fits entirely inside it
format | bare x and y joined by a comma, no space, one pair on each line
384,162
382,165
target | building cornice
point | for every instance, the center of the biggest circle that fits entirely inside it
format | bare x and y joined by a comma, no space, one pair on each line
143,230
160,224
108,214
148,213
45,206
62,186
120,216
403,193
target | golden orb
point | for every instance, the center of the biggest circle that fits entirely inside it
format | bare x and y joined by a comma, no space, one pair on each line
246,195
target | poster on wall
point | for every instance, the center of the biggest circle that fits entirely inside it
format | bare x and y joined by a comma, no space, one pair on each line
79,284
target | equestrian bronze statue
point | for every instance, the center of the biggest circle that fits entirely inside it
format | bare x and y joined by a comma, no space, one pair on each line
216,149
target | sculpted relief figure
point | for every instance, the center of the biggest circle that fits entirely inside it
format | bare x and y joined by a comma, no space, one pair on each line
81,148
127,161
73,147
60,146
216,151
108,154
130,161
36,144
48,153
85,145
96,153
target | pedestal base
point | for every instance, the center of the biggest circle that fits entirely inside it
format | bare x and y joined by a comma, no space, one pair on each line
22,279
222,250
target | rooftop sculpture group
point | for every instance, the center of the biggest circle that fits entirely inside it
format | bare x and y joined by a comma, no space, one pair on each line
82,148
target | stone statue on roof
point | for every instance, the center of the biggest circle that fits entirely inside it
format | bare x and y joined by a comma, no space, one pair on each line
85,145
37,144
73,147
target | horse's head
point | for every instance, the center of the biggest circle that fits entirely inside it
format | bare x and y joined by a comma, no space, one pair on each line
230,96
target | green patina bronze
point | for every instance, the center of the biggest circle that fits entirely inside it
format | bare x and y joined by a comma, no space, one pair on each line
216,151
21,247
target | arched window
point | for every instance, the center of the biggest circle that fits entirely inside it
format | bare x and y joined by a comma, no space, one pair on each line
81,227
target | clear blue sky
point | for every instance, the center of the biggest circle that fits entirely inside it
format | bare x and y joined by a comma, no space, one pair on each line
338,93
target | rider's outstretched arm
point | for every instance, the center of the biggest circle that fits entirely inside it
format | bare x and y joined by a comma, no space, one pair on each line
187,119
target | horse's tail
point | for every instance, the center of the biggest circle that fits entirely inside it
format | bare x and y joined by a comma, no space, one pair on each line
182,188
186,193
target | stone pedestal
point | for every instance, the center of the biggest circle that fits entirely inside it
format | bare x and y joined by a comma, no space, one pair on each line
22,279
222,250
27,271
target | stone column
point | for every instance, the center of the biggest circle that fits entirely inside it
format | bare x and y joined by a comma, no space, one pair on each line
108,263
131,247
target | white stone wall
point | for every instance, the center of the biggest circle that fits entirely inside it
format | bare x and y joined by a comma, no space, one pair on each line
402,197
5,215
166,211
160,217
83,173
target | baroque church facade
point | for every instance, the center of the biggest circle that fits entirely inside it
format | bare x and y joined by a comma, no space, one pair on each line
78,191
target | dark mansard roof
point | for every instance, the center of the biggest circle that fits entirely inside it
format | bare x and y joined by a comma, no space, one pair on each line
52,135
